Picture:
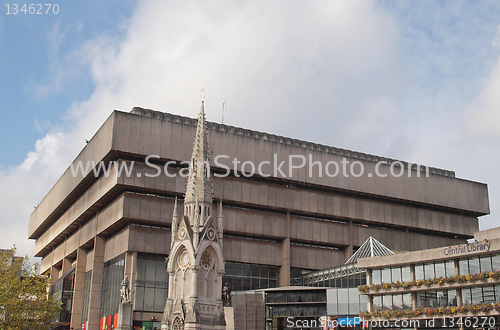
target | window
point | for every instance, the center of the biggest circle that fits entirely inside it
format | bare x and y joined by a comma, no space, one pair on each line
396,274
386,275
151,285
485,262
376,276
450,268
463,267
112,277
495,261
86,296
419,272
241,276
405,274
429,271
474,266
440,270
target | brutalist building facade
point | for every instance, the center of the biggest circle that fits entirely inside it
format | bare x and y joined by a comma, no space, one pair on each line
292,216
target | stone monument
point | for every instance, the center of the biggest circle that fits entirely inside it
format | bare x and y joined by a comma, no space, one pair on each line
196,263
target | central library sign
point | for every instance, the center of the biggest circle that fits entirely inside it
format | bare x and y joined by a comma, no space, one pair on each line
483,246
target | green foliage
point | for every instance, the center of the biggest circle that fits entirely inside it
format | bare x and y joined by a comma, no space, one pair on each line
25,302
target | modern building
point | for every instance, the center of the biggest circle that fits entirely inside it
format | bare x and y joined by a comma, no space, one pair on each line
283,222
455,286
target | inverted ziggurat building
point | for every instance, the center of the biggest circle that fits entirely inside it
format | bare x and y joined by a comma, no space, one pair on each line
93,230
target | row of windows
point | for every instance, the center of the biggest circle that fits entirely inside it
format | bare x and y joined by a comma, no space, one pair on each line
480,264
430,270
479,295
241,277
346,281
438,298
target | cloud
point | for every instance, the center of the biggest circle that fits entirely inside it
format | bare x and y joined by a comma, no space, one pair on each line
330,72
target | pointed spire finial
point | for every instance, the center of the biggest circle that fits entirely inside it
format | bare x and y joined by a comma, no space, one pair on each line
203,92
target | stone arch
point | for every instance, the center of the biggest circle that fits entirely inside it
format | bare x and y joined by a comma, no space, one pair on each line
177,324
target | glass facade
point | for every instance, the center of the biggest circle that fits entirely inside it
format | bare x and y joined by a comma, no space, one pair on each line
344,302
476,265
480,295
86,296
392,274
111,283
151,285
243,276
62,291
436,298
392,302
303,303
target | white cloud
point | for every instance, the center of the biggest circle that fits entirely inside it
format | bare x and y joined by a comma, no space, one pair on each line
326,71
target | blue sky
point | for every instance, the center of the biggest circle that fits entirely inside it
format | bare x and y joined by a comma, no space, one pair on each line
412,80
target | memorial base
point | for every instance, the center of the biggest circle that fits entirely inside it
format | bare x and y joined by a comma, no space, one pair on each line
125,316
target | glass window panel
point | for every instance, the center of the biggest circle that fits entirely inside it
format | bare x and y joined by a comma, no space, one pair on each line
255,270
396,274
466,296
149,299
452,298
474,266
245,283
273,272
407,304
159,303
477,295
376,276
150,271
442,298
495,261
463,267
397,301
245,270
485,263
354,301
377,303
432,298
229,268
497,292
363,302
450,268
386,275
405,274
429,271
419,272
161,271
489,294
422,300
387,302
439,269
139,298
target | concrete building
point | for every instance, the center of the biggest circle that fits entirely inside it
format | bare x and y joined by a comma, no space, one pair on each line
277,226
454,286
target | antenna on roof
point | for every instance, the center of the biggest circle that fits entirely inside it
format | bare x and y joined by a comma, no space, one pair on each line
223,108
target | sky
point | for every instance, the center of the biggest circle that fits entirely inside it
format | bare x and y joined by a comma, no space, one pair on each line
412,80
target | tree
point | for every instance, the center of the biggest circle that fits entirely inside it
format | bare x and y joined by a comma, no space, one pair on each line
25,303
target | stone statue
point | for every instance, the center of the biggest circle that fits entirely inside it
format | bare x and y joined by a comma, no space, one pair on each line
125,290
226,295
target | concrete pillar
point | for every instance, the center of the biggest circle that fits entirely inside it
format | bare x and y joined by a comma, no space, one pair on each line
96,283
349,250
78,289
414,300
370,303
285,258
412,272
369,276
